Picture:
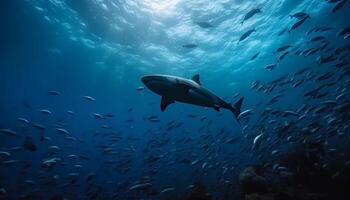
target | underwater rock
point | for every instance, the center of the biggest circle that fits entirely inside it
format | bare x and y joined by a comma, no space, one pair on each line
251,182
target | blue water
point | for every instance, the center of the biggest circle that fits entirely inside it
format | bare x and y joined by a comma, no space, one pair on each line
102,48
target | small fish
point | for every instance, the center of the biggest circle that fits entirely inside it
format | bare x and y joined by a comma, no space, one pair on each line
62,130
194,162
338,6
50,162
154,119
300,15
329,102
271,67
246,35
283,48
203,118
142,186
274,152
282,31
4,154
192,116
344,31
203,24
254,56
250,14
190,46
290,113
167,190
256,141
326,59
45,111
317,38
9,162
341,96
141,88
298,24
31,182
298,83
97,116
280,58
23,120
54,93
70,112
72,156
54,148
323,29
245,113
8,132
89,98
70,138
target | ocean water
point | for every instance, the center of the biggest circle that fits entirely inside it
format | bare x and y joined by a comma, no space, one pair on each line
77,122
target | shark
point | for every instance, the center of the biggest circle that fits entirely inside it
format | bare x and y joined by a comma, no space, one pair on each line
177,89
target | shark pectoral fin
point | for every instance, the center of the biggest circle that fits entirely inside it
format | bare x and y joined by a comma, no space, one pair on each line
196,79
217,108
164,102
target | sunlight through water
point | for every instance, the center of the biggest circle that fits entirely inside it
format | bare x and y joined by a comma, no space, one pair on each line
162,7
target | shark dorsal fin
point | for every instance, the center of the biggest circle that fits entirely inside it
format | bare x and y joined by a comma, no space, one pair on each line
195,78
164,102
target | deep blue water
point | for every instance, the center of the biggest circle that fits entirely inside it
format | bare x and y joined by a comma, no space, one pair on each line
294,129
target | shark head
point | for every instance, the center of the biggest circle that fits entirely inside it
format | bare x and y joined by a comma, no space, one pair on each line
157,83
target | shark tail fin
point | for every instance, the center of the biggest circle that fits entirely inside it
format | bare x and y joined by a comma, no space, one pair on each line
236,108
